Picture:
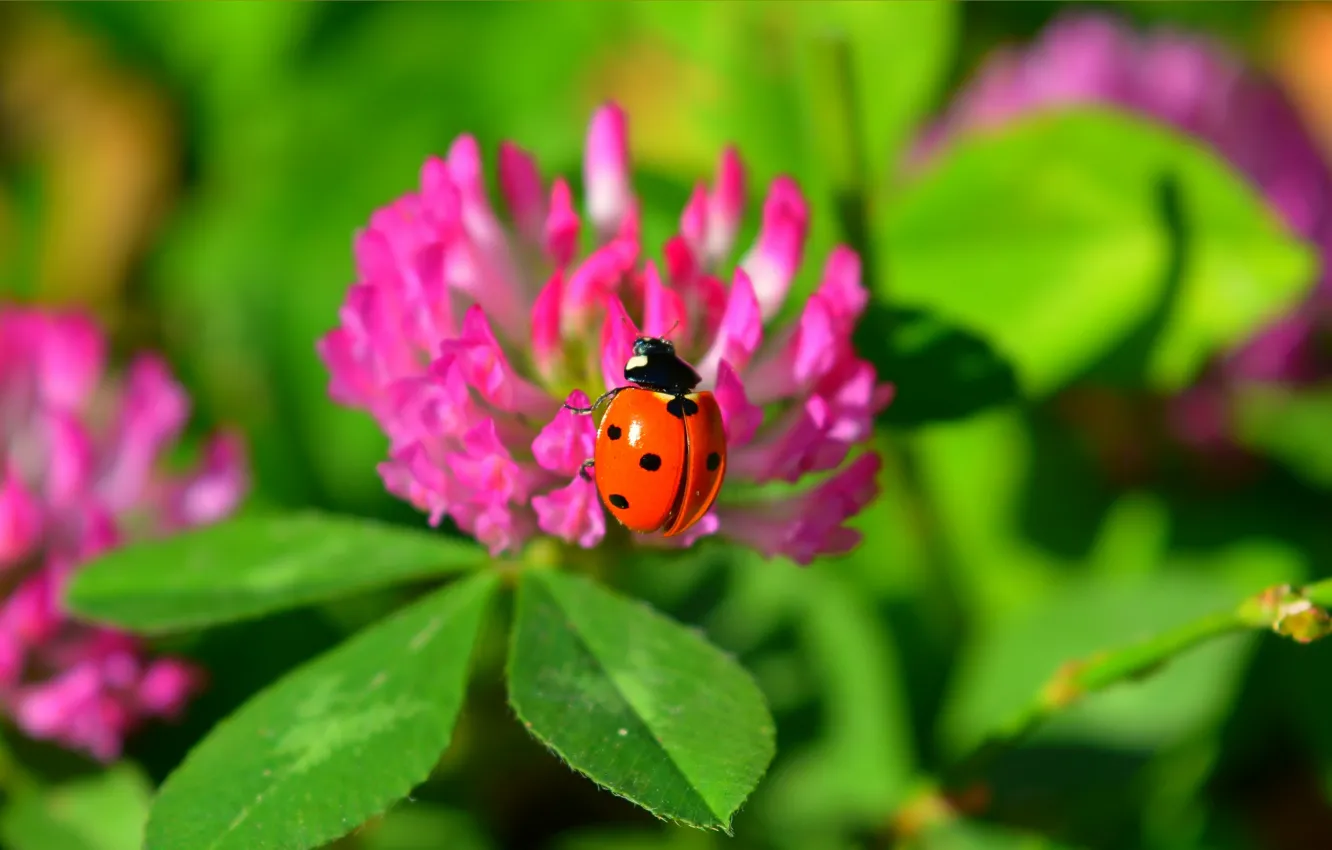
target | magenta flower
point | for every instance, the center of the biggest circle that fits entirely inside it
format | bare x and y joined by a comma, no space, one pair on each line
1196,87
79,472
468,328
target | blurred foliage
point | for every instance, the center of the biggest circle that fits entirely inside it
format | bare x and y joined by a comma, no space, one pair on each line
352,730
1053,239
102,812
258,565
194,173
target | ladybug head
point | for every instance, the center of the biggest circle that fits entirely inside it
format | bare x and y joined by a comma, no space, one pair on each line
653,346
656,366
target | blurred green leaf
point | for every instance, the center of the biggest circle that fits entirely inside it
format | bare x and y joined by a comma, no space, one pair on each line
972,835
1226,23
258,258
638,703
941,372
1005,667
975,475
1290,425
1049,239
250,566
24,205
256,41
1298,702
898,55
740,58
855,772
1176,791
737,68
103,812
625,838
417,826
334,742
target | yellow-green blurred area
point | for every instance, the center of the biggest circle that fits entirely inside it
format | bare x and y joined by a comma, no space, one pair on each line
193,175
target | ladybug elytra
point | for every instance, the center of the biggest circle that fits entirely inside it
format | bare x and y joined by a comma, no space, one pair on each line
660,453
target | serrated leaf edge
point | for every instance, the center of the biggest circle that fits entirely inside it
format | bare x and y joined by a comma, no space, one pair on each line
479,581
722,825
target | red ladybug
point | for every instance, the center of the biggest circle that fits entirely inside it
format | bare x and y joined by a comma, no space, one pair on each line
660,455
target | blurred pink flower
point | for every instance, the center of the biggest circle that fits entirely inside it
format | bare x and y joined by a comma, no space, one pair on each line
80,471
468,327
1199,88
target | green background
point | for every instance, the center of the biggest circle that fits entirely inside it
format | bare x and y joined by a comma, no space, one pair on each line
1038,294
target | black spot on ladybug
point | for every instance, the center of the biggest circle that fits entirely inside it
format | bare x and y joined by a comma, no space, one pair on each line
680,407
650,462
613,432
619,501
714,461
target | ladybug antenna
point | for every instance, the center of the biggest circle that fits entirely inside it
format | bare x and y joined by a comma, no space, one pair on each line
668,333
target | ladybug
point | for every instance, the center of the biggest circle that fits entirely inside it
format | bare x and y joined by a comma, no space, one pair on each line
660,454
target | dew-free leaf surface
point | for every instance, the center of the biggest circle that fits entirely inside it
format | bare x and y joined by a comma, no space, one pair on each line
1057,237
102,812
640,704
332,743
257,565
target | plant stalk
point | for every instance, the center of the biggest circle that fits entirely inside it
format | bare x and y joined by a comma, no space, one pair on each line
1299,614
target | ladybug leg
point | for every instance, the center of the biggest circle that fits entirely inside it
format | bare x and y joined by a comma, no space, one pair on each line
605,397
583,470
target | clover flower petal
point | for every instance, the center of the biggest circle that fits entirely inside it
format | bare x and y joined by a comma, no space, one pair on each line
572,513
81,471
20,520
467,325
1197,87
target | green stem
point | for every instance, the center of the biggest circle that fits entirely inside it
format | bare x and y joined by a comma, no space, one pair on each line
837,139
835,134
943,597
14,777
1297,614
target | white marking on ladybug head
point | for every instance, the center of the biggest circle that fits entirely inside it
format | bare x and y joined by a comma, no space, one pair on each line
638,361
